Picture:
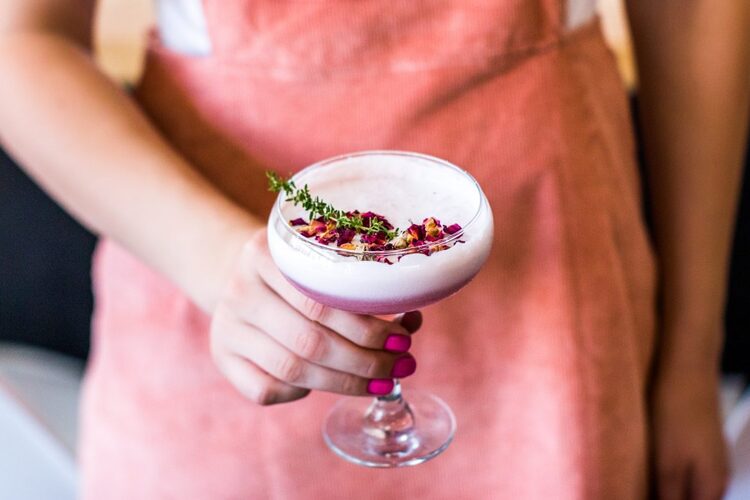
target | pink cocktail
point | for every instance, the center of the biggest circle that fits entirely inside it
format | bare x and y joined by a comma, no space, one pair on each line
405,188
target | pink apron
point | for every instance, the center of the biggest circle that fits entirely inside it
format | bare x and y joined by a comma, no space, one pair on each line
543,358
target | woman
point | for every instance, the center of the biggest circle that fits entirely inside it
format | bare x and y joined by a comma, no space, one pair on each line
563,377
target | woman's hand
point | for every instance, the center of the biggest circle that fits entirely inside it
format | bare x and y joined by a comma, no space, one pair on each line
689,453
274,344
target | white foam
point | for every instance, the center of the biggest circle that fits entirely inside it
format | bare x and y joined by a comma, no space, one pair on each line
403,189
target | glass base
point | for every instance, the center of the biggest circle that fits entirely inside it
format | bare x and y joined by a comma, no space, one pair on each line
390,431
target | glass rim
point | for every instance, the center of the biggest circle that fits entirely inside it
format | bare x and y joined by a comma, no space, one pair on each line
380,253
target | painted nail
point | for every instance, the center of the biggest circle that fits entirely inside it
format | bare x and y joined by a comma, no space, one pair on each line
404,366
411,321
380,386
397,343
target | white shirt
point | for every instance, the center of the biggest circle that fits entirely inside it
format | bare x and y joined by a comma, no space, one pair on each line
182,25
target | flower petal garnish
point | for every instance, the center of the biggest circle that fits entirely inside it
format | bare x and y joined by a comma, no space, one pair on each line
345,236
453,228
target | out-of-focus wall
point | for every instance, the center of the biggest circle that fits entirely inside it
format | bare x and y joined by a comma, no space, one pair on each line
122,26
120,36
616,29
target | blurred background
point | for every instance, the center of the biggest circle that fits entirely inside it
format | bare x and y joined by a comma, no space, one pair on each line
46,301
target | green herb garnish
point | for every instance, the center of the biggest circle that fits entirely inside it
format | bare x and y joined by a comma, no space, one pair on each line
316,207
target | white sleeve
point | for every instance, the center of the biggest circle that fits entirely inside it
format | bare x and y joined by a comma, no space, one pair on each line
578,12
182,26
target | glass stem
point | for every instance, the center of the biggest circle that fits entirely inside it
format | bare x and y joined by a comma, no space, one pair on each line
395,392
389,423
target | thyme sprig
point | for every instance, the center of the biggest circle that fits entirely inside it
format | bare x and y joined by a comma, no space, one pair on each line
316,207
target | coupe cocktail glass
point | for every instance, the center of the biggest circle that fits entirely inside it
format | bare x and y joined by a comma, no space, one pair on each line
399,429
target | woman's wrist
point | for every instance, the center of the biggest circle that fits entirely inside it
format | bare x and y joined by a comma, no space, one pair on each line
216,252
690,329
688,345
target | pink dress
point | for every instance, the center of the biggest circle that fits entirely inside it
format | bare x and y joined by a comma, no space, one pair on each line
543,357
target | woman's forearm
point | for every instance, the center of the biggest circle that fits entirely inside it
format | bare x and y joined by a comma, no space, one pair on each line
694,75
93,150
694,72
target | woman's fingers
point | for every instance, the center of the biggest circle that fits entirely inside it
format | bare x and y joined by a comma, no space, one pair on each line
255,384
366,331
282,364
320,345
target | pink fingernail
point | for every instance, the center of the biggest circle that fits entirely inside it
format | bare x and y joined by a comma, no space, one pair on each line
412,321
397,343
380,386
404,366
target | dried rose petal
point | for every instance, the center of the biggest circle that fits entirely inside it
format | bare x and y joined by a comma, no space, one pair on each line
315,227
379,238
368,216
386,222
345,236
431,227
383,259
327,237
415,232
318,226
298,222
436,237
453,228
